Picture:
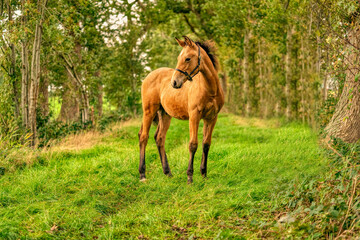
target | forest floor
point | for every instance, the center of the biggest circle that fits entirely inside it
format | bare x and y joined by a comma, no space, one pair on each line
87,186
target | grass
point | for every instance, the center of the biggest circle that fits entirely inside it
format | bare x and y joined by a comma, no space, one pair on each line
95,192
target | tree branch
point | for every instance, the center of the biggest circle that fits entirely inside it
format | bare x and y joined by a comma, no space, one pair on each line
191,26
4,69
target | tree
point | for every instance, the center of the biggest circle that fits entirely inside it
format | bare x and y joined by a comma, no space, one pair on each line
35,69
345,123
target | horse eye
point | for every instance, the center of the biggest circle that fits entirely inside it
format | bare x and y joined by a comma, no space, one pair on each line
187,59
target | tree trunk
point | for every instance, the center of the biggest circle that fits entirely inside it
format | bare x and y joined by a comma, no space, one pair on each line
262,84
70,68
223,78
12,73
70,110
25,84
302,82
99,106
24,72
345,123
239,95
326,75
288,73
35,72
44,95
247,101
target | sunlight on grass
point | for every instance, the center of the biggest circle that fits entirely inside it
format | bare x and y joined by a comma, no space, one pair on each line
96,192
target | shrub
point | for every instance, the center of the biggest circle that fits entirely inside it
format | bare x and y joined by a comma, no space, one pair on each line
329,207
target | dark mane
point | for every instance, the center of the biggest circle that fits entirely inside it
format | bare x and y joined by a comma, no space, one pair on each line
210,49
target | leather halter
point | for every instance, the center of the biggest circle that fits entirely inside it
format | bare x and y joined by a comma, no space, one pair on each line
198,65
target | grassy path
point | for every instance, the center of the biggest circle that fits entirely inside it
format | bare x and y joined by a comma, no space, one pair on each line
95,192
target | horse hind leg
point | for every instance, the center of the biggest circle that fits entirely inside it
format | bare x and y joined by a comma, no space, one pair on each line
207,133
160,136
148,117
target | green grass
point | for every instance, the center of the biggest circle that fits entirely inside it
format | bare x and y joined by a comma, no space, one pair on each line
96,192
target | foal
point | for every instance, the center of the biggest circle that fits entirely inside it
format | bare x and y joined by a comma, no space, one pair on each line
166,93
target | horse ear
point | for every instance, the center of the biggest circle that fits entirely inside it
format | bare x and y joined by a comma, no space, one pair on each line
188,41
180,42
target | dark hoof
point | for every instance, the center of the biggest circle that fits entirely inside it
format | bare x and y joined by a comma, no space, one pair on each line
204,176
203,172
169,175
190,180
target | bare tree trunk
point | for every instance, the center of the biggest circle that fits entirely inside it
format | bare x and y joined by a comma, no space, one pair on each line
288,73
302,87
240,93
25,83
247,101
345,123
12,73
325,83
44,95
70,68
262,83
100,100
70,110
35,71
24,72
223,78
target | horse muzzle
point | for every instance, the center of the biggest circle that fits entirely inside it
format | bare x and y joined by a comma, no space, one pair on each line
176,83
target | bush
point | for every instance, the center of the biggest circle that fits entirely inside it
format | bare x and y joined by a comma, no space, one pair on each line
329,207
327,110
111,118
14,142
48,130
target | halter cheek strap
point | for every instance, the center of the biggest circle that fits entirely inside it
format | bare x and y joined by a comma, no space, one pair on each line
197,67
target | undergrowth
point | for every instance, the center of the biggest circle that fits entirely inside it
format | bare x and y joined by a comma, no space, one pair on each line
327,207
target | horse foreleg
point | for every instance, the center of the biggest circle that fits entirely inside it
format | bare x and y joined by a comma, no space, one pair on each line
148,117
207,133
160,135
193,127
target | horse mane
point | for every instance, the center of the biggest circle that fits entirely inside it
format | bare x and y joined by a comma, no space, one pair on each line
210,49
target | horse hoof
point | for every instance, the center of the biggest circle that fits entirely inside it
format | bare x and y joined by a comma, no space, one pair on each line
190,180
142,179
169,175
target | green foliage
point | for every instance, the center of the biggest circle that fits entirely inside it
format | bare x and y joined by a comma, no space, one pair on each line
49,131
110,118
327,110
14,142
328,207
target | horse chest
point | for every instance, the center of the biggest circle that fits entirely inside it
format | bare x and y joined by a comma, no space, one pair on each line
175,104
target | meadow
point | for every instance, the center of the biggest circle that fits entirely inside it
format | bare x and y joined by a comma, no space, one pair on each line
87,185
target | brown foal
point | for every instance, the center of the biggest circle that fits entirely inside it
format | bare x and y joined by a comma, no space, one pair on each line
166,93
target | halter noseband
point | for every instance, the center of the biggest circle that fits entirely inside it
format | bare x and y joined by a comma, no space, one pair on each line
198,65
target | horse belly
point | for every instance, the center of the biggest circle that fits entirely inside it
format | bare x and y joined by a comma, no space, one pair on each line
175,104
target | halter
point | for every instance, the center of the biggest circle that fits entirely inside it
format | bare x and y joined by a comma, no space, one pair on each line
198,65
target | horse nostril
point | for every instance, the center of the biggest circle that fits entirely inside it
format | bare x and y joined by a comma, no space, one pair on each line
174,84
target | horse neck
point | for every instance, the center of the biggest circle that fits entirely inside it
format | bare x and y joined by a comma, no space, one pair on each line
211,76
